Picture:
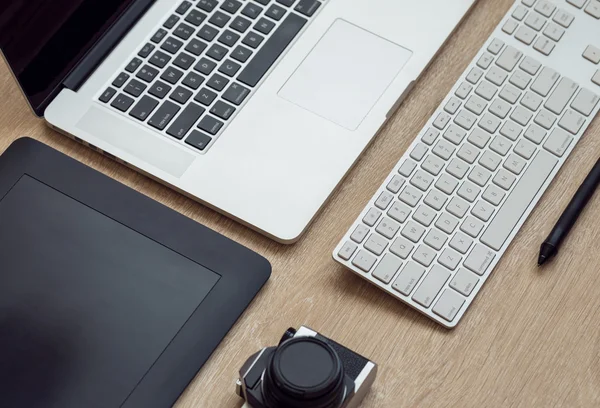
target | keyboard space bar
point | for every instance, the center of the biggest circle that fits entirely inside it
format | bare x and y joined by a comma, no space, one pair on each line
519,200
273,48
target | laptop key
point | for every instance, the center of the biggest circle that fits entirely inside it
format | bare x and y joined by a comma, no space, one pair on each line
222,110
135,88
147,50
193,80
158,37
308,7
147,73
207,5
184,61
229,38
195,17
183,7
159,59
217,52
164,115
264,26
236,94
217,82
210,125
271,50
171,21
107,95
275,12
144,108
205,66
171,45
133,65
183,31
205,97
219,19
241,54
208,33
252,11
263,2
240,24
231,6
122,102
253,40
181,95
198,140
159,89
286,3
171,75
229,68
120,80
196,47
185,121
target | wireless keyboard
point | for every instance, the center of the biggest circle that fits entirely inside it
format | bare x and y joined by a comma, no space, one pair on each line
443,218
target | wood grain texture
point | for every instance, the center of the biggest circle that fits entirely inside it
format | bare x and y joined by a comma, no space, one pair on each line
531,339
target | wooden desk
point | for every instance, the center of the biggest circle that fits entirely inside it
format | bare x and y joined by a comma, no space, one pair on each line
531,339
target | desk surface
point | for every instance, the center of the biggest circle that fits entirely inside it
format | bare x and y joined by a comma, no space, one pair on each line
531,338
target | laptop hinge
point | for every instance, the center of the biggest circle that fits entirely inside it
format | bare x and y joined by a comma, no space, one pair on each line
106,44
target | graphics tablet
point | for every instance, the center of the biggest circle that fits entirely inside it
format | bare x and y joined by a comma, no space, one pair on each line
107,298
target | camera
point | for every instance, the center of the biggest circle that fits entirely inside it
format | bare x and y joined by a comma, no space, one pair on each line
305,370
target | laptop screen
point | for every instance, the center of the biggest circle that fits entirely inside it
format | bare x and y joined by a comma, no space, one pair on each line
42,40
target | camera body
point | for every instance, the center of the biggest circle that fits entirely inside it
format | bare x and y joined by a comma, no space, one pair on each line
306,369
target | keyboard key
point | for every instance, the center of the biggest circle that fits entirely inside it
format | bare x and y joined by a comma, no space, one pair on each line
435,199
275,12
236,94
271,50
431,286
253,40
264,26
376,244
447,184
495,46
463,90
520,79
399,211
240,24
159,59
120,80
554,32
183,31
229,68
510,94
518,201
413,231
468,191
526,35
479,259
493,195
407,168
545,81
545,8
198,140
476,105
219,19
160,34
210,125
183,7
217,52
510,26
509,58
535,21
360,233
147,50
450,259
217,82
479,176
372,216
443,149
593,9
424,255
455,134
436,239
464,282
196,47
558,142
229,38
421,180
521,116
486,90
474,75
181,95
433,165
164,115
147,73
387,268
458,207
471,227
410,196
485,61
577,3
525,149
448,305
479,138
424,215
133,65
535,134
531,101
395,184
461,243
511,130
286,3
500,145
446,223
107,95
419,152
408,278
184,122
514,164
159,89
205,97
135,88
519,13
171,75
208,5
584,103
490,123
384,200
496,76
208,33
545,119
205,66
452,106
193,80
388,228
231,6
347,250
504,179
307,7
222,110
561,96
171,45
252,11
572,122
530,66
457,168
592,54
171,21
144,108
401,247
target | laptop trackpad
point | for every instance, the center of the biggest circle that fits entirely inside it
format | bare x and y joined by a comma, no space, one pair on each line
345,74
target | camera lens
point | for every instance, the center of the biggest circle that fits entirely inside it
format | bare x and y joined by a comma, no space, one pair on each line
304,372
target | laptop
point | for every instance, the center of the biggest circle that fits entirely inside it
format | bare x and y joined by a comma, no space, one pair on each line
256,108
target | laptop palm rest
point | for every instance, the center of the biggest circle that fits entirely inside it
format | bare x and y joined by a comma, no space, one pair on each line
128,137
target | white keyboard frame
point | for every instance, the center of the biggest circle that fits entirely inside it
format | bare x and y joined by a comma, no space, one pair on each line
579,71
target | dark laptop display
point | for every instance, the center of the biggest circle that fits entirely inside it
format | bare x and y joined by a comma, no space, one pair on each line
43,40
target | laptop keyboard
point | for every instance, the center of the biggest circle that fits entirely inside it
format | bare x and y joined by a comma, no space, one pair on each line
197,70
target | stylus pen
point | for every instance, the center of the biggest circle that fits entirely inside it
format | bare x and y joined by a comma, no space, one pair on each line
569,217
